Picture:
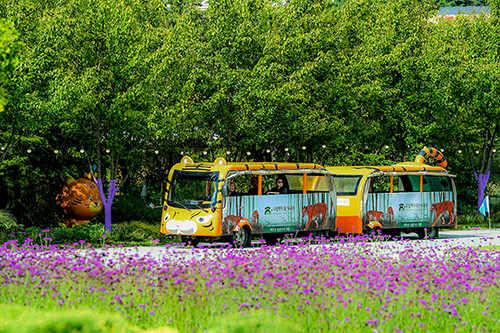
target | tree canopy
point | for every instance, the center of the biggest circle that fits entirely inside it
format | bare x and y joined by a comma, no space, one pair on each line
130,86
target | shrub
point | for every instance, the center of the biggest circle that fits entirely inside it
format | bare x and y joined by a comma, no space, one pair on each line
20,319
257,321
8,222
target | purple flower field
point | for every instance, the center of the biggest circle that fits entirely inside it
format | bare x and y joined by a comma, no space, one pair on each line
352,284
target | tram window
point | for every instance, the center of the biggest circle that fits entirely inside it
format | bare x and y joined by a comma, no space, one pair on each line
346,185
436,184
268,182
380,184
408,183
316,183
242,182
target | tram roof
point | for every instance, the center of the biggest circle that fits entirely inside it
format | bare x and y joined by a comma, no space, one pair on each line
404,167
220,164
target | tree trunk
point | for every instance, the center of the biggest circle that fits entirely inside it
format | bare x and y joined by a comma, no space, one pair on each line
107,202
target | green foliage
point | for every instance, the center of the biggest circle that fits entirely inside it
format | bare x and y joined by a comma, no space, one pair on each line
129,206
137,232
8,222
256,321
22,319
363,83
9,52
129,234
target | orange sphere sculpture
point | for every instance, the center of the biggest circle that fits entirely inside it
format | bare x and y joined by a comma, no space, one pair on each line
80,201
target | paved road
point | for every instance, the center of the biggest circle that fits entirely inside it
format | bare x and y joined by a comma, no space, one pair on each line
447,239
478,237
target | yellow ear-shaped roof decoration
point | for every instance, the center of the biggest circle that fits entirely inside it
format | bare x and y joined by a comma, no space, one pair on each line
220,160
187,160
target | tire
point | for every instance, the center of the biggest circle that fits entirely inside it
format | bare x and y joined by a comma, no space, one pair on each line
241,238
190,240
394,233
433,233
421,233
375,231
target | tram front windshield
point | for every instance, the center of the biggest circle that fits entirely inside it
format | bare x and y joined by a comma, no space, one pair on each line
193,189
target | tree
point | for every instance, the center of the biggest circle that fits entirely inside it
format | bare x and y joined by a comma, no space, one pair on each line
466,63
96,60
10,49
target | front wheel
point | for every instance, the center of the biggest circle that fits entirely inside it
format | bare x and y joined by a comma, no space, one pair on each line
241,238
190,240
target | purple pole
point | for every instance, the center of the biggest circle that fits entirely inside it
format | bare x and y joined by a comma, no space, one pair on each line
107,202
482,180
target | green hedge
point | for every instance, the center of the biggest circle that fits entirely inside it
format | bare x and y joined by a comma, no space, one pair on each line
23,319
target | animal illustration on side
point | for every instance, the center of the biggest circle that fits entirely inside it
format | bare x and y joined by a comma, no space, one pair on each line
231,221
390,215
80,201
255,220
313,212
374,215
440,209
187,224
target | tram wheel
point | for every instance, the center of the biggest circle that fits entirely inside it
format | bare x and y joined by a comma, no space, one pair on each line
190,240
433,233
375,232
241,238
421,233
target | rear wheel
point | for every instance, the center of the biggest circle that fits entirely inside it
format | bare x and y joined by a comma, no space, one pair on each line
433,233
190,240
421,233
375,231
393,233
241,238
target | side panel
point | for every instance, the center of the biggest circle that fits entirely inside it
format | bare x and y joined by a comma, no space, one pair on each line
349,215
411,209
281,213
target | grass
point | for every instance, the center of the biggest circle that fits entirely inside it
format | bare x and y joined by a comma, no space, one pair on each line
350,284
